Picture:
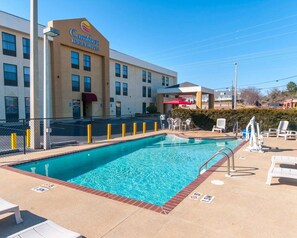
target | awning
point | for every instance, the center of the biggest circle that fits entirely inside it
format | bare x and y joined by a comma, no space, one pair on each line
177,102
89,97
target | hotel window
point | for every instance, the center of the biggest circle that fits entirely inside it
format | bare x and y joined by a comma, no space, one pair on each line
144,91
87,84
125,71
10,75
26,77
26,48
75,83
87,62
75,108
117,88
11,108
163,80
149,77
125,89
149,92
27,107
167,81
143,76
8,44
117,70
74,60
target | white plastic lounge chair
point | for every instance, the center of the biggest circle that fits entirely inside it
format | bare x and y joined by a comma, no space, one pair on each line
6,207
288,135
220,126
47,229
280,173
277,172
170,123
186,124
290,160
282,128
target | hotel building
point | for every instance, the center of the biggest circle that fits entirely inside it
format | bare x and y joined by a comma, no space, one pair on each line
87,77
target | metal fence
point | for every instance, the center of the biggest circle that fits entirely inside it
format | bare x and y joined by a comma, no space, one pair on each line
15,136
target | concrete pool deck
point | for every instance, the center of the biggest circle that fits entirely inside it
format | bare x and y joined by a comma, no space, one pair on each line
243,207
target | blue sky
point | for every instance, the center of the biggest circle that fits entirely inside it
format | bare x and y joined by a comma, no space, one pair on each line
200,39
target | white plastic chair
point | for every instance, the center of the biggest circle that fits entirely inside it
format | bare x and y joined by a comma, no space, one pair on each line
281,129
220,126
6,207
176,124
186,124
170,123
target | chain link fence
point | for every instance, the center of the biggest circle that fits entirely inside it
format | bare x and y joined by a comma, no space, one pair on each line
16,136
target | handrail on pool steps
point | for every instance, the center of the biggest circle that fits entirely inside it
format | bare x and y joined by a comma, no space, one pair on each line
220,151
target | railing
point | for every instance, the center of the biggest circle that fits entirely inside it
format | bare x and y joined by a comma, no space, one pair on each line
235,128
215,155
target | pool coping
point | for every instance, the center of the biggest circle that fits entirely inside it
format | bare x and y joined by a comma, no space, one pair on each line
164,209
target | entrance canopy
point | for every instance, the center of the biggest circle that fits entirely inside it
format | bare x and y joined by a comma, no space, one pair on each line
89,97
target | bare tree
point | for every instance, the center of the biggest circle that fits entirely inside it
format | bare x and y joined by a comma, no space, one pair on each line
250,96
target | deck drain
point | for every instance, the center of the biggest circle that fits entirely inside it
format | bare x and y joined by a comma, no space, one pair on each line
207,198
217,182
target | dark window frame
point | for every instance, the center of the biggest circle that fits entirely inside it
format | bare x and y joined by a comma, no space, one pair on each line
75,83
117,88
26,77
87,85
163,80
12,44
27,107
26,48
117,70
7,81
87,62
143,76
125,89
11,116
149,92
125,71
149,77
74,60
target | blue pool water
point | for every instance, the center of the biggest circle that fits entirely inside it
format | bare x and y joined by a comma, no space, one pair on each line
152,170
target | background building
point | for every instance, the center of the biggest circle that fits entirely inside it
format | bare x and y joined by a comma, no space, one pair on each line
87,78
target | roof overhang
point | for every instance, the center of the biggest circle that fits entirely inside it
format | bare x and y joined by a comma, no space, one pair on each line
184,90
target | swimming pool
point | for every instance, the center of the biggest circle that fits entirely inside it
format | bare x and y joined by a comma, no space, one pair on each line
151,170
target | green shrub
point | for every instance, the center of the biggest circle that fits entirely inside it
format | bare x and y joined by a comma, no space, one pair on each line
267,118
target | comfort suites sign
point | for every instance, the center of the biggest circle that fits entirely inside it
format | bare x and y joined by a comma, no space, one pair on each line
84,39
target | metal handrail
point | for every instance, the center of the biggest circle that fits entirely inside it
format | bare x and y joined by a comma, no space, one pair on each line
235,128
217,153
227,148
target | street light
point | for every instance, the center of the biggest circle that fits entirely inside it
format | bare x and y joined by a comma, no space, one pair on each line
47,32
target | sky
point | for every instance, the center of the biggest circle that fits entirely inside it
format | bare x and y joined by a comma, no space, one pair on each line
199,39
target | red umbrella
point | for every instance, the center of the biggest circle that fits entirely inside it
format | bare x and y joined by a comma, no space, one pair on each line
178,102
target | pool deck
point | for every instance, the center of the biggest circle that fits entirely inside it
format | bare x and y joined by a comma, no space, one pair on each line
243,207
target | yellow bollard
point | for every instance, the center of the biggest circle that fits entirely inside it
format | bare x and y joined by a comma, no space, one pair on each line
156,126
13,141
144,127
89,133
28,137
134,128
123,130
108,131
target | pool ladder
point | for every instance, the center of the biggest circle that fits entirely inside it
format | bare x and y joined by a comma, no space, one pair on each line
220,152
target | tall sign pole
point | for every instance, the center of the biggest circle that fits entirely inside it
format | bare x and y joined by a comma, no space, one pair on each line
34,81
235,87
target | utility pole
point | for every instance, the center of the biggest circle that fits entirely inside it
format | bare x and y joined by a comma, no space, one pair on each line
235,87
34,80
